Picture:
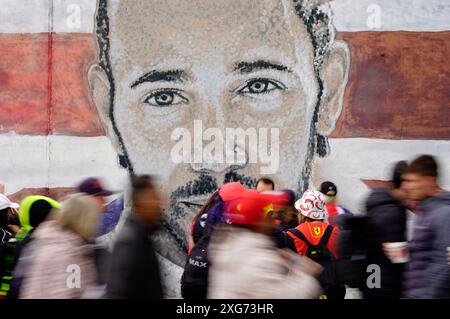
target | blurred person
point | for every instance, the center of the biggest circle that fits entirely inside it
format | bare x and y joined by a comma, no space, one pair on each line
316,239
329,190
62,265
286,218
386,224
33,210
6,218
2,188
94,188
427,273
197,228
194,281
245,263
134,270
265,184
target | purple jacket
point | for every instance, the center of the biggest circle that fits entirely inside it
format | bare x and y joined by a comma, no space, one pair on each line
428,273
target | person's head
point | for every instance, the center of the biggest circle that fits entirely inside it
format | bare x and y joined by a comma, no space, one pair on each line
80,215
265,184
146,199
311,207
93,187
230,64
420,180
6,211
288,216
329,189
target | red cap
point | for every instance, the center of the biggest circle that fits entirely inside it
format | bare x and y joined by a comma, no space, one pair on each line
231,191
248,209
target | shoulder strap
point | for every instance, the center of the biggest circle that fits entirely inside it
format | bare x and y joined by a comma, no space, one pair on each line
300,236
326,235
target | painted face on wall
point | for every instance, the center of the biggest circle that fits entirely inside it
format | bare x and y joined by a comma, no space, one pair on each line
229,64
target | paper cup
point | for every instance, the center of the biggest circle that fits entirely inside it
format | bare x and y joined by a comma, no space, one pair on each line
398,252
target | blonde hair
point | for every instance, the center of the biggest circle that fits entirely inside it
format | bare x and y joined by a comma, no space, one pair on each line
79,214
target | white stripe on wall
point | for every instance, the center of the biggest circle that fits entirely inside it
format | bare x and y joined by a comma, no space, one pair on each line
353,159
57,161
389,15
31,16
62,161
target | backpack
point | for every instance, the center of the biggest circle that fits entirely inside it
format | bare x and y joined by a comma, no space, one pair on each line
194,281
321,255
353,248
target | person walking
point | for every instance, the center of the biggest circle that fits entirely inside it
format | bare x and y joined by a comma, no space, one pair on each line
134,270
386,224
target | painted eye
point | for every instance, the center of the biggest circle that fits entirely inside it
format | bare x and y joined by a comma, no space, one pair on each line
260,86
165,98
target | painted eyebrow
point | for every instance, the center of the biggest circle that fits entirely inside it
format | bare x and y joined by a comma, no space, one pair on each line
161,76
248,67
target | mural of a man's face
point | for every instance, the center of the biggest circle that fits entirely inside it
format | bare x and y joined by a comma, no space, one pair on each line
231,64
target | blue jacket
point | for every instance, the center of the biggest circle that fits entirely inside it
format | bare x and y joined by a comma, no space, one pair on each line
428,272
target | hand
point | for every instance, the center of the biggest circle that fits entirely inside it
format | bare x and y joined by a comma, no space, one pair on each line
14,229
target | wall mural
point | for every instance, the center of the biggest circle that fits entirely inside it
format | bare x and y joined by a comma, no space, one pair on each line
205,92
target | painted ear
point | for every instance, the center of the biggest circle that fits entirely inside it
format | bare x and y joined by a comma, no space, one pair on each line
99,87
334,74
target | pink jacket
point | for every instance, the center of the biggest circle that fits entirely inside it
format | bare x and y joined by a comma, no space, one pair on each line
247,265
62,265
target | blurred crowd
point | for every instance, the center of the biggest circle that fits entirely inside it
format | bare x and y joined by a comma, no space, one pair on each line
243,243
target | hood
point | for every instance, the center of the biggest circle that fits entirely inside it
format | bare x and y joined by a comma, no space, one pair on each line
380,196
435,202
24,211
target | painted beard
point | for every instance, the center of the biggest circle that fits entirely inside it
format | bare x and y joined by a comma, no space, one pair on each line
185,203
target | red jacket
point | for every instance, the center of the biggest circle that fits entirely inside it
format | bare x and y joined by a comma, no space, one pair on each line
314,231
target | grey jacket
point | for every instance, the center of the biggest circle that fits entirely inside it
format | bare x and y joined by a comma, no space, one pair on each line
428,272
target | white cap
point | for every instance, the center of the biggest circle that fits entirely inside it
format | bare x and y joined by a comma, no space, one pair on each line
312,205
6,203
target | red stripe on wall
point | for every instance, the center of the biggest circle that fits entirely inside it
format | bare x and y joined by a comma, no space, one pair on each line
34,101
397,89
398,86
23,83
73,111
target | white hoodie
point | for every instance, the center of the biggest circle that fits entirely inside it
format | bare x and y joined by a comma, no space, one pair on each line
248,265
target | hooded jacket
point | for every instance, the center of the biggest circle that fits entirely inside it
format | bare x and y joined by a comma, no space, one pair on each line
428,272
386,223
61,267
25,211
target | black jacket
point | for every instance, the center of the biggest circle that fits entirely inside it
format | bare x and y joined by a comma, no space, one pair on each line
134,269
386,223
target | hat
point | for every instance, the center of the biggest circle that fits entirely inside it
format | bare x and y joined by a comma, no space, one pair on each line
6,203
230,191
312,205
93,186
328,188
250,207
